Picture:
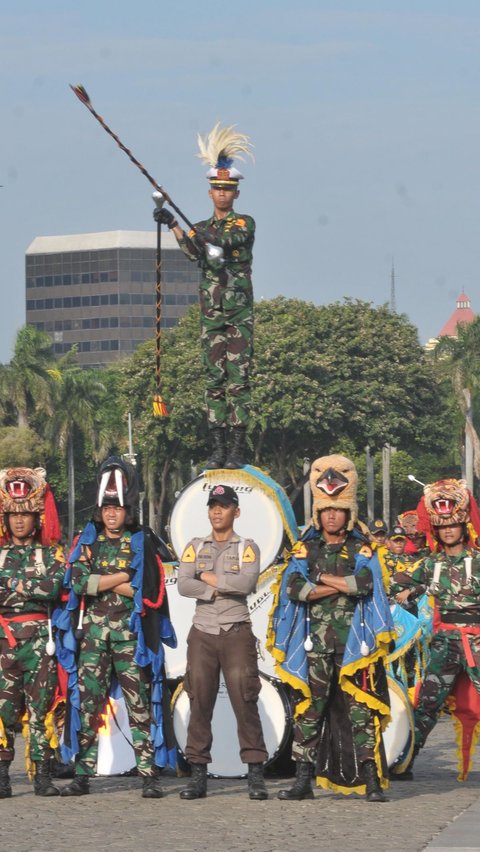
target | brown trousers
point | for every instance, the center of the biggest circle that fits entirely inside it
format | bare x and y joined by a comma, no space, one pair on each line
234,652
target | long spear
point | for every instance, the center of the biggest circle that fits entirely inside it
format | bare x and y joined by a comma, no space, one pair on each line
84,98
159,407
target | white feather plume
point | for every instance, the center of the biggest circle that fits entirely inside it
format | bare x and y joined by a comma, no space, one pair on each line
223,142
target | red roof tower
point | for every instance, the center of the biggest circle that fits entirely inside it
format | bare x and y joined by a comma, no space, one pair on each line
462,314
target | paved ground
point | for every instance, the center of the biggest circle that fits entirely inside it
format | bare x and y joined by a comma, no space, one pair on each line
433,812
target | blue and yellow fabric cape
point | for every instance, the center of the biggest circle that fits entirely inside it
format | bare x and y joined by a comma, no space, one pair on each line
362,672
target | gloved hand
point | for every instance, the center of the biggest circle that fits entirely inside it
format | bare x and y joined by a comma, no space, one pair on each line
165,217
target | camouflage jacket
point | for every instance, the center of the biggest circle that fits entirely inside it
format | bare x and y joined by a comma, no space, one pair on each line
332,616
235,234
446,578
41,572
105,556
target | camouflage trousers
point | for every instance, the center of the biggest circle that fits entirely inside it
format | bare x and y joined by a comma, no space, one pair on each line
227,348
28,677
447,661
106,653
322,670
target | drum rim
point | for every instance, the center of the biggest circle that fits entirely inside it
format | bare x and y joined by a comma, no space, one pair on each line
280,691
201,476
405,757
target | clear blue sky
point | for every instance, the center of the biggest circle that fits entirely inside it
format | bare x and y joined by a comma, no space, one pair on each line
365,119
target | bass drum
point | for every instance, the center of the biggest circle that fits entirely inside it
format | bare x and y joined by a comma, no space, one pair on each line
264,509
398,736
275,716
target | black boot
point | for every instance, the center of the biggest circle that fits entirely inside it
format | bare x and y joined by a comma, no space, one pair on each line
5,787
151,785
374,791
80,786
42,782
219,449
197,786
302,788
236,453
256,784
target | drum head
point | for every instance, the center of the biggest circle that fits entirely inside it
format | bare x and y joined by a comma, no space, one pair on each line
274,714
398,736
259,519
115,750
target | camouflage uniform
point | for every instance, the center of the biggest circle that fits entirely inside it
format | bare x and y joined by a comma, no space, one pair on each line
28,675
108,648
452,650
226,302
331,618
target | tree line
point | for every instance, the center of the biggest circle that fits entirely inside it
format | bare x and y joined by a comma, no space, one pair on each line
329,378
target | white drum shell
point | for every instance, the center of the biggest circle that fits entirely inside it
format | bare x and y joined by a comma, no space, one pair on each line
274,714
398,736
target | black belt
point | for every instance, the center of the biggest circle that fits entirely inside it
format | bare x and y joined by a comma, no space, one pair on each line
460,617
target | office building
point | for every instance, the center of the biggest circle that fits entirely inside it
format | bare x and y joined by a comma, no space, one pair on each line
98,291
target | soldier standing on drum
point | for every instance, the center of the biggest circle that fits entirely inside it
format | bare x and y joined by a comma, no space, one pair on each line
222,246
220,570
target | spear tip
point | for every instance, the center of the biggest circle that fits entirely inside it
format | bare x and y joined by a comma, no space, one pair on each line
81,93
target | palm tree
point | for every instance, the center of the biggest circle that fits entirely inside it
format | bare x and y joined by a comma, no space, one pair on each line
463,353
78,398
27,382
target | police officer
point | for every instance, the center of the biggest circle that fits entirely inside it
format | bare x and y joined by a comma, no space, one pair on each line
220,570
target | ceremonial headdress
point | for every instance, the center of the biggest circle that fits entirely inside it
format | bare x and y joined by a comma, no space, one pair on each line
23,489
117,486
447,502
409,521
333,480
218,150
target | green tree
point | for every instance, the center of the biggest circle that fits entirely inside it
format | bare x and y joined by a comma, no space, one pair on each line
459,357
79,395
342,373
27,382
168,446
21,447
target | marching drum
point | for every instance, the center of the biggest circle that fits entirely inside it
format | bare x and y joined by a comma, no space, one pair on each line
398,736
260,517
115,750
275,716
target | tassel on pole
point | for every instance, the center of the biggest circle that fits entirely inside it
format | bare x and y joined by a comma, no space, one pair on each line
159,407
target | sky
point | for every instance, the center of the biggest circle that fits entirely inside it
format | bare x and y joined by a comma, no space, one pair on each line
365,118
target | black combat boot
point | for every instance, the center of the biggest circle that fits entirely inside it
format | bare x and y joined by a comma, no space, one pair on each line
151,785
374,791
197,786
256,784
236,453
5,786
302,788
219,449
42,781
80,786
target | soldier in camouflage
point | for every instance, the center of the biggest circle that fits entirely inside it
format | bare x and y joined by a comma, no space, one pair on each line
332,588
31,575
102,574
222,246
452,576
